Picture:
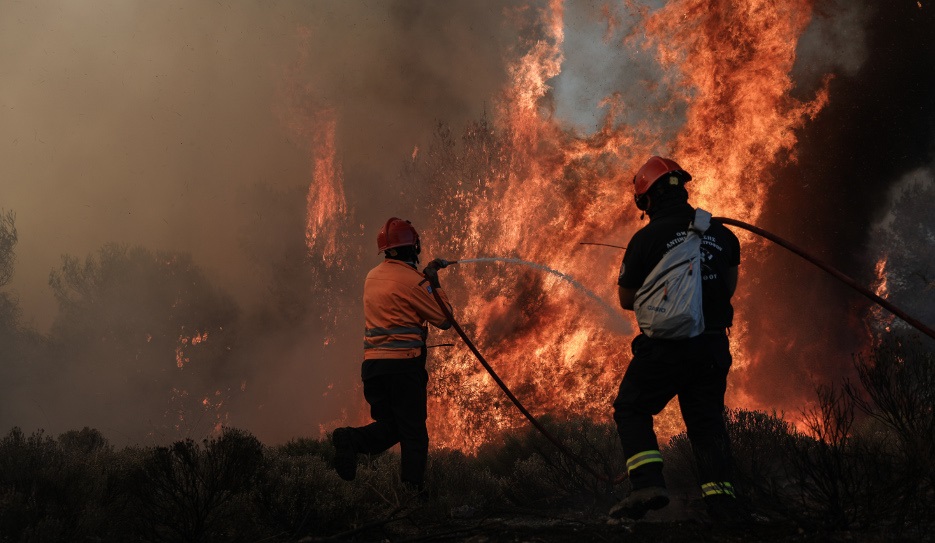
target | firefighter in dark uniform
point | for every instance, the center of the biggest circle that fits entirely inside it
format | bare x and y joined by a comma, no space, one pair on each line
693,369
398,306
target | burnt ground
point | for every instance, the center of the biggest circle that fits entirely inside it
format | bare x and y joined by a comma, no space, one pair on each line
581,527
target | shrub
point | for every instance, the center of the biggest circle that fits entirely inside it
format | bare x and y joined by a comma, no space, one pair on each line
761,473
53,489
897,391
307,446
460,484
189,493
871,460
534,471
300,495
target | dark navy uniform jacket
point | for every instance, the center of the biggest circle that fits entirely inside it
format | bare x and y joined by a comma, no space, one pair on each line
720,251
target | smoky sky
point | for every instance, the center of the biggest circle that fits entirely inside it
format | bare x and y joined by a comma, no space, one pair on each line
169,125
879,125
153,123
144,122
877,129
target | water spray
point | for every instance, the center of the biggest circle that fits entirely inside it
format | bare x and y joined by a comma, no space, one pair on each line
565,277
756,230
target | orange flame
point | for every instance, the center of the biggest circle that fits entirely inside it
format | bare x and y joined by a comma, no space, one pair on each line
315,126
880,318
326,203
730,63
733,60
184,342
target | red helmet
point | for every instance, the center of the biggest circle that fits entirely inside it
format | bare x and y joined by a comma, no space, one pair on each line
655,168
397,233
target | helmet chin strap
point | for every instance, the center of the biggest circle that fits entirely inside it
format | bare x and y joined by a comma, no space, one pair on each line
414,262
643,203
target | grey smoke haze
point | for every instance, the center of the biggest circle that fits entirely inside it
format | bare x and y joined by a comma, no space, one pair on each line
143,122
905,235
165,125
877,129
154,124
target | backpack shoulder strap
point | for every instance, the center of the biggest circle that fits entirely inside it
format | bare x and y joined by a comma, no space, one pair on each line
702,221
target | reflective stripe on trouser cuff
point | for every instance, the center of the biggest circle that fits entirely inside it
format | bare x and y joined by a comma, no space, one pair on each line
710,489
643,458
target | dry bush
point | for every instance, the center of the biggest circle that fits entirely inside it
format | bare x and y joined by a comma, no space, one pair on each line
307,446
53,490
300,495
535,472
459,485
870,463
759,444
187,492
838,472
897,391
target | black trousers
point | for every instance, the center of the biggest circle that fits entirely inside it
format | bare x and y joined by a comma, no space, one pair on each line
398,408
695,370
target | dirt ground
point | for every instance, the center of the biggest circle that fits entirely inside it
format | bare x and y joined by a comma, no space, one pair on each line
531,527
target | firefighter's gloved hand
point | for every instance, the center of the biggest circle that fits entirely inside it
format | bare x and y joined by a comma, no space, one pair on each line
431,271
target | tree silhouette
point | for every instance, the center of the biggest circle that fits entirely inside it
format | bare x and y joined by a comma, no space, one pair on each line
143,342
7,244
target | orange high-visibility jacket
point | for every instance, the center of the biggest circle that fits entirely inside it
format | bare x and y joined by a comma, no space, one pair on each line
397,309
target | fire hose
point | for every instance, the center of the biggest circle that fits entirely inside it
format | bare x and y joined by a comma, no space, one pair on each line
506,390
837,274
756,230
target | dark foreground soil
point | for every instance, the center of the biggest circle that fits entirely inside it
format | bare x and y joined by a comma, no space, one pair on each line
515,526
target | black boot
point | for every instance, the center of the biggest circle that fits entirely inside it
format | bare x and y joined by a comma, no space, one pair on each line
641,501
345,453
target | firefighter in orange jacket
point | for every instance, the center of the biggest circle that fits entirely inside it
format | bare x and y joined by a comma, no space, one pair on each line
398,306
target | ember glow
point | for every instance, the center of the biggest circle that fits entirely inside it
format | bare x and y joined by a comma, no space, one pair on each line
257,149
730,64
326,202
880,318
185,342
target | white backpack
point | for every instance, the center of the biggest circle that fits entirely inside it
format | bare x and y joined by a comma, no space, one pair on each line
668,305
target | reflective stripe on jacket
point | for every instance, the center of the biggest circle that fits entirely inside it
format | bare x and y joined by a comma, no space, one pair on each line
397,310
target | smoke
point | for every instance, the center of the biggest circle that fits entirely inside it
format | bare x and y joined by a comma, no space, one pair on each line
905,238
601,64
801,325
148,123
166,125
188,127
878,126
